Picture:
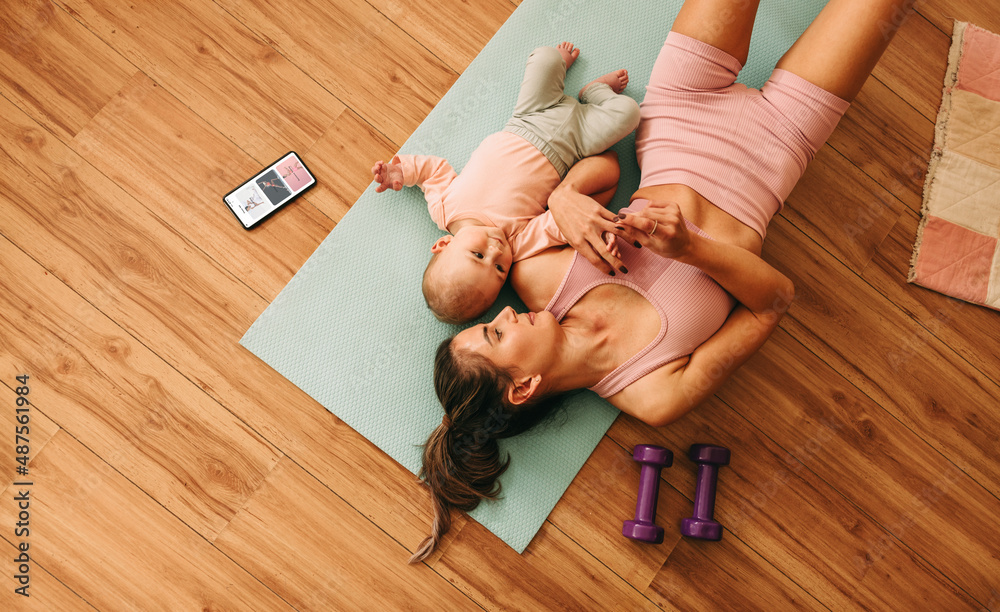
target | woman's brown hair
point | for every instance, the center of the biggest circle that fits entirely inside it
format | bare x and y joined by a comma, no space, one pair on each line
462,462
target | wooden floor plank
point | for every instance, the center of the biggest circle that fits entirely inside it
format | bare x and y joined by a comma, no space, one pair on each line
695,568
318,553
105,555
173,170
219,69
944,14
367,61
603,495
786,514
833,429
44,591
122,401
969,329
55,70
671,574
165,294
456,31
852,516
913,66
866,338
40,428
553,573
898,161
850,225
343,156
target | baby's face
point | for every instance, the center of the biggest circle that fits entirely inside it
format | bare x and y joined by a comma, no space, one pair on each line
476,256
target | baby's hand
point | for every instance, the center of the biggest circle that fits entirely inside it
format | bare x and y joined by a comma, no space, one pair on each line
388,175
611,244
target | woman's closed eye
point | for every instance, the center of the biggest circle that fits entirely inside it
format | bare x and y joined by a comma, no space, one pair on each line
499,334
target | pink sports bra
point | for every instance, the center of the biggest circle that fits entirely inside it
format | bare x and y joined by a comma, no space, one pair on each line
691,305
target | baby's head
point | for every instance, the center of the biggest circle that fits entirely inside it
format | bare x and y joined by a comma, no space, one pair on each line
466,272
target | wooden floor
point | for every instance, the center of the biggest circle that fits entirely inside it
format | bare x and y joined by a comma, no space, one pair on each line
173,470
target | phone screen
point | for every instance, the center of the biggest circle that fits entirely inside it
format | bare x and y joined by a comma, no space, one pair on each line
277,185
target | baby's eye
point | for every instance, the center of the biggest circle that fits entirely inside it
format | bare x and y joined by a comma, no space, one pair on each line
477,254
500,268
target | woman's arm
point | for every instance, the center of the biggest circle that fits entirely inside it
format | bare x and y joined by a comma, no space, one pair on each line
576,206
757,285
765,294
668,393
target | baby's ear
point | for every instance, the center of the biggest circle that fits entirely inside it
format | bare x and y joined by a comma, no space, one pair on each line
441,242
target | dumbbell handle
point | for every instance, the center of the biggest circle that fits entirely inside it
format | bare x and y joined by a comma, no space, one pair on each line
704,492
649,484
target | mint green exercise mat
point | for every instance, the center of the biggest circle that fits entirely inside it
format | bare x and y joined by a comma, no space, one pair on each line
352,330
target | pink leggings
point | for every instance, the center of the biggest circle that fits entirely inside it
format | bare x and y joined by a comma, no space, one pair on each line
742,149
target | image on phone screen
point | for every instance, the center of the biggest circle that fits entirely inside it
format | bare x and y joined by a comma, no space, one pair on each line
275,186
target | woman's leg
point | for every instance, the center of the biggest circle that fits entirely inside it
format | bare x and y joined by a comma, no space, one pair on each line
724,24
839,49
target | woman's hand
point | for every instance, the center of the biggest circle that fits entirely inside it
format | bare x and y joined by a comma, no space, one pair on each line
659,227
578,206
587,226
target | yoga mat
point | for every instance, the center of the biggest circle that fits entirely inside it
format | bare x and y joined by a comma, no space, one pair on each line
352,330
957,251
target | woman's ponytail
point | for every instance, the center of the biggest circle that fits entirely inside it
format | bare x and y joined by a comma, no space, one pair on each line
462,463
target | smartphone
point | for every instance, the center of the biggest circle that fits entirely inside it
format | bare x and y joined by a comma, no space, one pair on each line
276,185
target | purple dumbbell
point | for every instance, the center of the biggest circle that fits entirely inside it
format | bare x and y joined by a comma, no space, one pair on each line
702,525
653,459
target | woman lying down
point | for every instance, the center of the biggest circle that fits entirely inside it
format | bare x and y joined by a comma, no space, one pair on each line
693,299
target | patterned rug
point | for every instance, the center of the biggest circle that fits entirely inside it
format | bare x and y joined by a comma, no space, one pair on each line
956,251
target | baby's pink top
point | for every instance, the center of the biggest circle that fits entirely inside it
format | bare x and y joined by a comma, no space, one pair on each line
692,306
506,183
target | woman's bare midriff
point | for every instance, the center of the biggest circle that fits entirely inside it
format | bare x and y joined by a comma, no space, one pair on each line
714,221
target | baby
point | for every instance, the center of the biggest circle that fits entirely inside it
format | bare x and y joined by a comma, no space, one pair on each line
496,210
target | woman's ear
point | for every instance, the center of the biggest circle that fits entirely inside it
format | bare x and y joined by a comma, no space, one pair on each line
441,242
524,390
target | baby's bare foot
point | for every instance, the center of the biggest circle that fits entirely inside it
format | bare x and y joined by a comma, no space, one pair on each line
617,80
569,54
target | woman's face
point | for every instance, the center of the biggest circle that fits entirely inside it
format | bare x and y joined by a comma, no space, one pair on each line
527,343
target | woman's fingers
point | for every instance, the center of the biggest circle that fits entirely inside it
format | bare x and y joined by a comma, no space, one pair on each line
640,224
659,227
629,234
602,258
596,250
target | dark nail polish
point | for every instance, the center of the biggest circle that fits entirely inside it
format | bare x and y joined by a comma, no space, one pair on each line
619,228
612,273
637,245
621,215
623,269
